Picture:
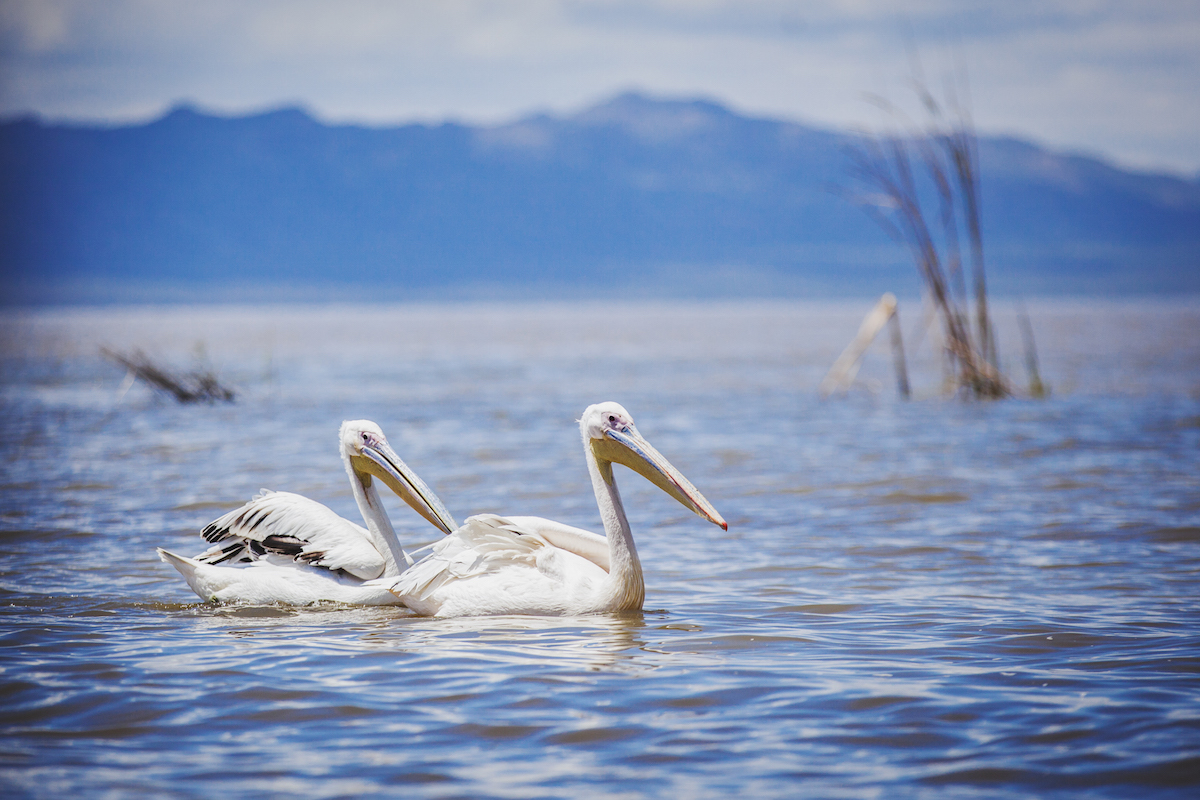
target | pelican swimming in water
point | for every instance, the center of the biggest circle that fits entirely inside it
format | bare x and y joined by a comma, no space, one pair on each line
530,565
295,551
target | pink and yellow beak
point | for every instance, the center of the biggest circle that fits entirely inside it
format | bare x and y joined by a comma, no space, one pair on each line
627,446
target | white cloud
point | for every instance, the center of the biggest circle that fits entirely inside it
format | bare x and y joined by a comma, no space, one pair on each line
1101,75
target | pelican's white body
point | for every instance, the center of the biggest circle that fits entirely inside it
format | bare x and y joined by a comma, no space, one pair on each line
275,580
513,565
530,565
330,559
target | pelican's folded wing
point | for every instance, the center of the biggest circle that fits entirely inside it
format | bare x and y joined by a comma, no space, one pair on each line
292,525
585,544
485,543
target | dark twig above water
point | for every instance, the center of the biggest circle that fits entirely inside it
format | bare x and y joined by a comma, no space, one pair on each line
186,387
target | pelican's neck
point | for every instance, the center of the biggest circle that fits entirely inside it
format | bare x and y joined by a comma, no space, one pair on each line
625,583
379,527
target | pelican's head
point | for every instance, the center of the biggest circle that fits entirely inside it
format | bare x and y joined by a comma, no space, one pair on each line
367,450
609,431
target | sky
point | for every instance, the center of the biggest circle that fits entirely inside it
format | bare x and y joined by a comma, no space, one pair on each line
1112,78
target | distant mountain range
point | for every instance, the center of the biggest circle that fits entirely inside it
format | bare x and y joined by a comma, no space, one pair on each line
633,198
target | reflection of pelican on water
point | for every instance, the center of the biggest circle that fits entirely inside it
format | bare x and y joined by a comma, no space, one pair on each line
587,642
293,550
530,565
568,644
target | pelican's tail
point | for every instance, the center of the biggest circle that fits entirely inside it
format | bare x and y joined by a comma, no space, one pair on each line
265,583
204,580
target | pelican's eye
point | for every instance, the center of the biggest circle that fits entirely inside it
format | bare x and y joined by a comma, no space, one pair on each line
616,422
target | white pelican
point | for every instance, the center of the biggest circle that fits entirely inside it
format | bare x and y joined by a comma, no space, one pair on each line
300,552
530,565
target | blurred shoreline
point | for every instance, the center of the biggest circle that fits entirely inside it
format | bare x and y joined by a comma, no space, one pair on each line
1086,345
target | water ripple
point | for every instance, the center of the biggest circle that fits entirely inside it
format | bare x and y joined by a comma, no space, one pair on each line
913,600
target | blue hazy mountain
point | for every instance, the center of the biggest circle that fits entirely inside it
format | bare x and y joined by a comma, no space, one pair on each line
634,196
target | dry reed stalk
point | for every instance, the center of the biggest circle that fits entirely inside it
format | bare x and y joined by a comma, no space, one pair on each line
949,155
1036,387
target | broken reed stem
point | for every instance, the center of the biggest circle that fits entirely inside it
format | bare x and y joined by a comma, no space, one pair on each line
898,359
841,374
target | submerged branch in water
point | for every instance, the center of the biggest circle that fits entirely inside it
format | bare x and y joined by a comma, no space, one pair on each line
190,387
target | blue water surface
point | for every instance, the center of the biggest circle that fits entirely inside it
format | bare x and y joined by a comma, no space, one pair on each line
937,598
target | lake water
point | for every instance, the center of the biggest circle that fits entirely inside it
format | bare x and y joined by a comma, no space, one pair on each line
927,599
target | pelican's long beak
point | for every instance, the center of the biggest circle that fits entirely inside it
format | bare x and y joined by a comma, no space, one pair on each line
627,447
381,461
